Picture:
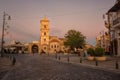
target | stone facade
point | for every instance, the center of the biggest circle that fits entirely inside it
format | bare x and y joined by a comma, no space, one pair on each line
114,28
47,43
103,40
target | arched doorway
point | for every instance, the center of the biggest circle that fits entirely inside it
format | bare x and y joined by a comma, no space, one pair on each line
34,49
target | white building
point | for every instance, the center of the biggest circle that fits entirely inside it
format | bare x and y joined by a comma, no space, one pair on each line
103,40
114,28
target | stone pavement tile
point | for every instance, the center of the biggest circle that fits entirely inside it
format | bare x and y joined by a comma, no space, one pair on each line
108,65
5,66
48,68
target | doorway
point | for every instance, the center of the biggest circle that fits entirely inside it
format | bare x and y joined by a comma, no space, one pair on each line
34,49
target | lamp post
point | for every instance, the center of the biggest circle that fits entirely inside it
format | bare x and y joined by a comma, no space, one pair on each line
3,28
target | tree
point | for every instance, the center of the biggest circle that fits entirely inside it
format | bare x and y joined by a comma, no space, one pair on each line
74,39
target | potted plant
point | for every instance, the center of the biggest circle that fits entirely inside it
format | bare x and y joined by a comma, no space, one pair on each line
91,53
99,54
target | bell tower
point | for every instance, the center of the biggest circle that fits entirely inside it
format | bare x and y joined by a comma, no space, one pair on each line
44,34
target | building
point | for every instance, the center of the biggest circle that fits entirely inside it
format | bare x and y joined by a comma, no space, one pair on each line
14,47
103,40
47,43
114,28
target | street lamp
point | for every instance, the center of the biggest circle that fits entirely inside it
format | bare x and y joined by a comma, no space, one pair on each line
3,28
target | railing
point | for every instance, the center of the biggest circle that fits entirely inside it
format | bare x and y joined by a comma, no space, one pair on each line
116,21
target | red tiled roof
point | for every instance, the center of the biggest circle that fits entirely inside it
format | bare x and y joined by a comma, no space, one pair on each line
54,40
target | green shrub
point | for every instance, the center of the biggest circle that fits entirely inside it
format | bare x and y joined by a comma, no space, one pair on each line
99,51
90,51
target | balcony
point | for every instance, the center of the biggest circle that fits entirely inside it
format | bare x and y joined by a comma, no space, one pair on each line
116,21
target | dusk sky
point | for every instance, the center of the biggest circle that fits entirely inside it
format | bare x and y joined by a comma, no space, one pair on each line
82,15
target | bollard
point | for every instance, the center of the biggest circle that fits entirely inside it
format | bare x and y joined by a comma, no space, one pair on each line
116,64
80,60
96,62
68,59
59,58
48,54
13,61
56,56
10,57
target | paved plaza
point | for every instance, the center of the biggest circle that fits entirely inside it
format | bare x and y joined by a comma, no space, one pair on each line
109,64
44,67
5,66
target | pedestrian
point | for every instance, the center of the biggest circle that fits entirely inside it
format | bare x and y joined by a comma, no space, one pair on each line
13,61
85,53
78,51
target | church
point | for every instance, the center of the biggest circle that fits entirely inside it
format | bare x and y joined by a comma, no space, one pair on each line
47,43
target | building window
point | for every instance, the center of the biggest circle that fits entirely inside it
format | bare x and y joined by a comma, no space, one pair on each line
44,48
51,46
44,26
44,40
119,34
54,46
44,33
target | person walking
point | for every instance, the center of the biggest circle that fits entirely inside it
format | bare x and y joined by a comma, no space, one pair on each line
13,61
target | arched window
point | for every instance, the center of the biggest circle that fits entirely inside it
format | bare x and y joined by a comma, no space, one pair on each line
44,40
45,48
35,49
54,46
44,33
44,26
51,46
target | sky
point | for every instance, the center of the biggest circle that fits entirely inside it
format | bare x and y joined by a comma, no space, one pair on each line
82,15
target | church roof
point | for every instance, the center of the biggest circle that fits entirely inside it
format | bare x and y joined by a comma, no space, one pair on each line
54,40
53,37
62,38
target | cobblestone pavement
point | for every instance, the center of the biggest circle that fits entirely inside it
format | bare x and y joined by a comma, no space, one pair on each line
43,67
109,64
5,66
